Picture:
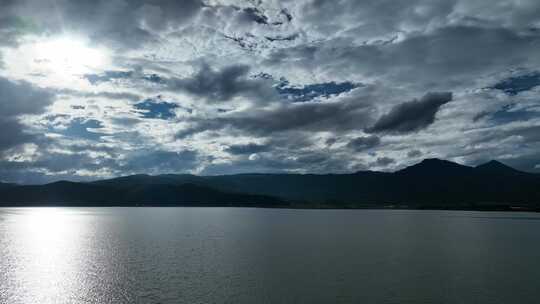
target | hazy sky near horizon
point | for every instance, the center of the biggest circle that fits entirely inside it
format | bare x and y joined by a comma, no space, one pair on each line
94,89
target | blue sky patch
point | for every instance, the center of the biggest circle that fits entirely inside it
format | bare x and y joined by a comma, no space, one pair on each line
81,128
107,76
311,91
515,85
157,109
507,114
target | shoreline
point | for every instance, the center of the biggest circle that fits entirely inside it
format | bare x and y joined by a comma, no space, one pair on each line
511,209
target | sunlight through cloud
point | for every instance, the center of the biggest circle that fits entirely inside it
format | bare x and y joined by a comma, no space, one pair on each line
57,60
70,55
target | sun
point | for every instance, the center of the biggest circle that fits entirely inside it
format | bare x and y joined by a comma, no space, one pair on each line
69,55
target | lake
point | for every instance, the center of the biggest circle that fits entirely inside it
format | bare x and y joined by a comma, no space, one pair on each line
243,255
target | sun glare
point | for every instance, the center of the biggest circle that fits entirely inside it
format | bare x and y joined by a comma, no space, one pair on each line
68,55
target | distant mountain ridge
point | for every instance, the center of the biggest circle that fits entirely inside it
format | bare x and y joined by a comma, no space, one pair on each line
432,183
498,167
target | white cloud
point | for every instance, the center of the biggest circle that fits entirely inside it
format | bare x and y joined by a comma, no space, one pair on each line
221,62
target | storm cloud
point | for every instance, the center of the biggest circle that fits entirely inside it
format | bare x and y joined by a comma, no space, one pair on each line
221,85
17,99
411,116
250,148
364,143
296,117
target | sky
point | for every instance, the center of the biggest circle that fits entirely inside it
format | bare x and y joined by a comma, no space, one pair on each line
105,88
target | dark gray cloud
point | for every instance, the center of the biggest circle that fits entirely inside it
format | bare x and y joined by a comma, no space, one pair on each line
281,161
222,85
253,14
111,76
13,27
283,38
411,116
296,117
108,76
166,14
11,134
528,162
462,53
52,166
117,23
214,85
250,13
414,153
17,99
151,161
364,143
247,149
372,19
332,116
383,162
331,141
8,34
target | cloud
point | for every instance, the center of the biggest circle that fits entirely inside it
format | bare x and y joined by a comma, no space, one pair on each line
312,91
527,162
370,20
158,161
330,116
281,161
156,109
253,14
411,116
293,117
100,94
222,85
414,153
509,113
119,76
517,84
364,143
17,99
53,166
108,76
419,58
165,14
13,28
92,161
119,24
269,86
383,162
250,148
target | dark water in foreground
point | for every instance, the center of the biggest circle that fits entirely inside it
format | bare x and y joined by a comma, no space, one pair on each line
235,255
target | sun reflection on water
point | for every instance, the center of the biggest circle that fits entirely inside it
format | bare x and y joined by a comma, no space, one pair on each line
45,247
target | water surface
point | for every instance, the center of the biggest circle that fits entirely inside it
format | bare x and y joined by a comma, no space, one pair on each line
241,255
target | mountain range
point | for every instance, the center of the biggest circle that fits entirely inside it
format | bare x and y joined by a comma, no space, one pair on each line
431,184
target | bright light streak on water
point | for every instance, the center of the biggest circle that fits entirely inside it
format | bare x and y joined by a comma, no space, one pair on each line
238,255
